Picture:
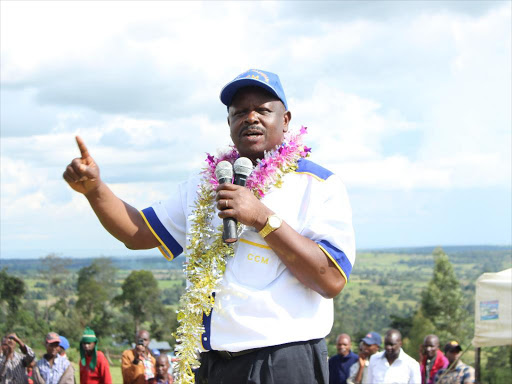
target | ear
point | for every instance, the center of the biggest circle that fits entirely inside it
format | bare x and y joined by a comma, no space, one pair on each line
286,120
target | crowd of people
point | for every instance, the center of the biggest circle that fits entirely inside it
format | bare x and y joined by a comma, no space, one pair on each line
139,365
393,365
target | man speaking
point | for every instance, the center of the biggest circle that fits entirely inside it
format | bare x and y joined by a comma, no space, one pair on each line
259,309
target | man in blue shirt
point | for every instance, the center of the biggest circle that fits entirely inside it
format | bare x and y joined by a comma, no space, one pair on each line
53,368
339,365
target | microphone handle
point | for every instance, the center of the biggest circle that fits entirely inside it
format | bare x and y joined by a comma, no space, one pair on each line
229,234
240,179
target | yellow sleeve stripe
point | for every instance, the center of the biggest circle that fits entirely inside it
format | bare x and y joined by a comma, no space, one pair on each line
334,262
311,174
255,244
163,248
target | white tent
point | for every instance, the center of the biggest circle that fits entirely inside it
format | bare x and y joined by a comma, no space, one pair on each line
493,309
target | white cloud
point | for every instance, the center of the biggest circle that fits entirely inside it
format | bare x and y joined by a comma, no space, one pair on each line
397,97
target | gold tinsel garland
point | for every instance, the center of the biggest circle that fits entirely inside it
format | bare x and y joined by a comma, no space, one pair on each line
207,252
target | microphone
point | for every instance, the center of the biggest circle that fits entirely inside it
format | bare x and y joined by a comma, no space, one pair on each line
224,174
243,168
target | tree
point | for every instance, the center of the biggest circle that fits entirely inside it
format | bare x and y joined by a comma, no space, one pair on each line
96,286
140,297
12,290
420,327
54,271
442,302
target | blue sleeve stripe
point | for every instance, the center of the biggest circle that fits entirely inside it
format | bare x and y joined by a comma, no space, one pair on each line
338,257
207,323
170,248
313,169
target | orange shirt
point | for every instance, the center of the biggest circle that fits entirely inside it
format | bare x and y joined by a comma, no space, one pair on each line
134,373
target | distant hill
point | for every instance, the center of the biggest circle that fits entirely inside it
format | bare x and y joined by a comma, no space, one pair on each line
122,263
449,249
458,254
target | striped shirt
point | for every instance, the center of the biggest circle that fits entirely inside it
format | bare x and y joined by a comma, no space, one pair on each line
13,371
52,375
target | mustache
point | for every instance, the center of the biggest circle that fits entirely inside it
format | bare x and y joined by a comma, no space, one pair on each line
251,128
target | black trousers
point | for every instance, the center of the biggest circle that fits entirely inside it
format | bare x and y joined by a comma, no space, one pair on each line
303,362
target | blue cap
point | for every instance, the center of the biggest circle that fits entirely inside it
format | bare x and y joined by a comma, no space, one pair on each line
372,338
64,343
253,78
156,352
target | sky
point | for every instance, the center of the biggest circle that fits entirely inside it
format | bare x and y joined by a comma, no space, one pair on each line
409,102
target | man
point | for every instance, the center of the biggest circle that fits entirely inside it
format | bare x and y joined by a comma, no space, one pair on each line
432,360
94,367
339,365
457,372
137,364
369,346
53,368
162,368
393,365
13,365
271,303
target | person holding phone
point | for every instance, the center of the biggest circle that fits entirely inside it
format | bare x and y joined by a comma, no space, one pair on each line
13,364
137,364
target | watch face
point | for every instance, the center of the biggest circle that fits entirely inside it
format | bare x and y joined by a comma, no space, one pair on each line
274,221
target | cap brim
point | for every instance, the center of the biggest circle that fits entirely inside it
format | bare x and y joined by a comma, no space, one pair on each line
227,93
368,341
53,341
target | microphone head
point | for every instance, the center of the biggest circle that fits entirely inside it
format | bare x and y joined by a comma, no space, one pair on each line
243,166
224,170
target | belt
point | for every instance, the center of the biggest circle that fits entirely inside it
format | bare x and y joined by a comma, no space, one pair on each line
231,355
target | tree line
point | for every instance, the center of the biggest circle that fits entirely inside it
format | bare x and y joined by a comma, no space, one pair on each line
115,303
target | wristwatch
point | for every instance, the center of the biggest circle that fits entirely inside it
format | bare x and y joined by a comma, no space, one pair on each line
273,223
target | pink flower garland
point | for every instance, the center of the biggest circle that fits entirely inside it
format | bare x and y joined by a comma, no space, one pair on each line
270,169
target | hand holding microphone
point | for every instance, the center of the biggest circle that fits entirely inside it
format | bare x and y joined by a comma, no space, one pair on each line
224,173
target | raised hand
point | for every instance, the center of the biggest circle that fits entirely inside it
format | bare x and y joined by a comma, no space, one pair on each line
82,174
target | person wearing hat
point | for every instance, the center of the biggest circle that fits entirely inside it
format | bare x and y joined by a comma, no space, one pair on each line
94,367
63,346
268,301
53,368
370,345
457,372
432,359
12,363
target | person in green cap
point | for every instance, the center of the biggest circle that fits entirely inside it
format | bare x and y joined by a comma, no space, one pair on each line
94,367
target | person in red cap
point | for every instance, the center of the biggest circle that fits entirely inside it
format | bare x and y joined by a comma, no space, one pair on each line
433,359
94,367
369,346
53,368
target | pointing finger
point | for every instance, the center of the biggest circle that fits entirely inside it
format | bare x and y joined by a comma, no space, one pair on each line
83,149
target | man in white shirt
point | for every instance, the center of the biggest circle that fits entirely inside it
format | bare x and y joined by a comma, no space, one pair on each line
393,365
272,306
